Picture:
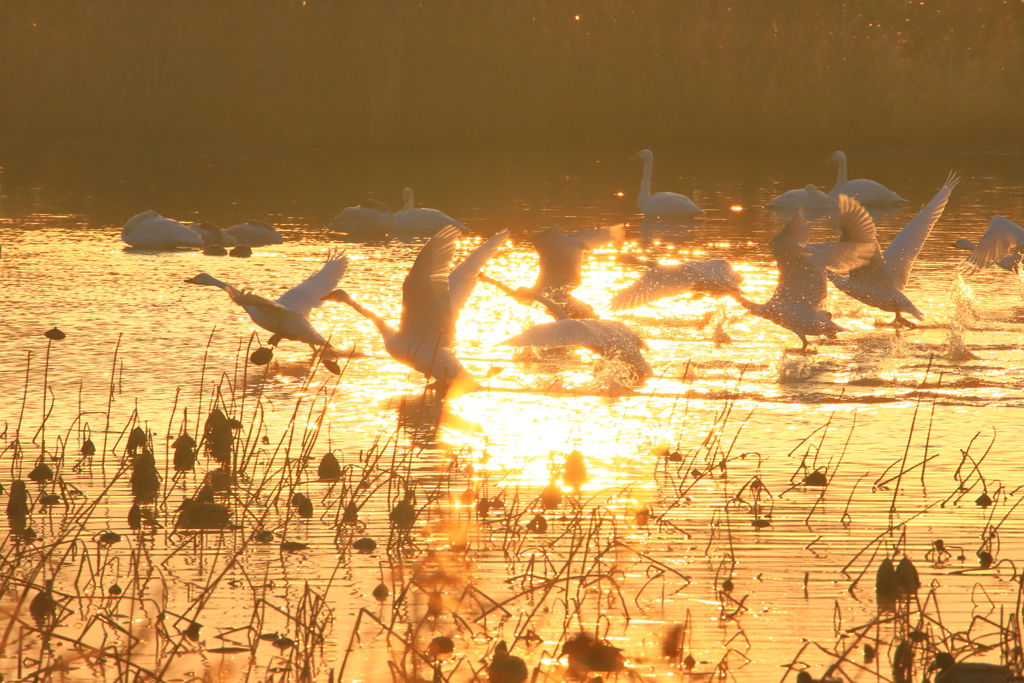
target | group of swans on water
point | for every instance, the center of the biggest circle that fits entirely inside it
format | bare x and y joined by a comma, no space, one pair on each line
150,230
433,293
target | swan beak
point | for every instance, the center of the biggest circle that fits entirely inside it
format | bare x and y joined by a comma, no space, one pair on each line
191,281
634,156
337,295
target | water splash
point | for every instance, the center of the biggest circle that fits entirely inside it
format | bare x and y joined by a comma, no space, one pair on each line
962,297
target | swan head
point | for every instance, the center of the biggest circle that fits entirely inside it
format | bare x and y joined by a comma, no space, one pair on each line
407,194
838,157
204,279
339,295
644,155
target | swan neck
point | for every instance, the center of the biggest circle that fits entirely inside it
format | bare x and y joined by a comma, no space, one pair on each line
555,309
384,329
409,202
645,183
840,176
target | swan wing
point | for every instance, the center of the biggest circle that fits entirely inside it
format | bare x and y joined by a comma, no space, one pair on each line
375,205
308,294
596,237
561,256
1002,237
904,248
463,277
801,281
711,277
426,307
857,245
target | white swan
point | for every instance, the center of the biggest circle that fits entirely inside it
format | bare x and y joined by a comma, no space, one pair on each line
607,338
803,286
561,263
431,301
880,283
1002,237
150,230
1010,263
714,277
213,235
660,203
254,234
865,191
808,197
288,317
411,219
368,217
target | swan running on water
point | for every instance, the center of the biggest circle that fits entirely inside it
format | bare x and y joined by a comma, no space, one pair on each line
661,204
288,317
797,301
714,277
431,301
880,283
995,246
411,219
150,230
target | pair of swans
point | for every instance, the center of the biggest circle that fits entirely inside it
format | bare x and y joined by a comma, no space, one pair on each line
660,204
150,230
432,298
867,192
372,216
288,316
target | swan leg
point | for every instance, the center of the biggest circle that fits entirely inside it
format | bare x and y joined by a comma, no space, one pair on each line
900,320
275,339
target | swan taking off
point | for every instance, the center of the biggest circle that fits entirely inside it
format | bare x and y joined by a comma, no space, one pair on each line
1010,263
150,230
662,204
288,317
368,217
411,219
607,338
431,301
1002,237
561,263
254,234
714,277
865,191
797,301
880,283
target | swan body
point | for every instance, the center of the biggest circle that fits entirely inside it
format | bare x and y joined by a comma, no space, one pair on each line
150,230
431,301
714,277
213,235
288,317
561,263
411,219
1002,237
1010,263
797,301
867,192
254,234
368,217
808,197
880,283
660,203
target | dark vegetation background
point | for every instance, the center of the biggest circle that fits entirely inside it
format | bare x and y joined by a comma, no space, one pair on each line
437,74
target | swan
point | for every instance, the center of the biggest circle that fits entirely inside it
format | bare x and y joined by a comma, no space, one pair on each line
660,203
368,217
1010,263
607,338
713,277
880,283
1002,237
288,317
951,671
150,230
561,263
411,219
863,190
213,235
803,285
254,234
808,197
431,301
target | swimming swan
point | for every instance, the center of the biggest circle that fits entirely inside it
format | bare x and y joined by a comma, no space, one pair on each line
411,219
797,301
288,317
660,203
150,230
368,217
865,191
254,234
607,338
561,263
431,300
880,283
714,277
212,235
808,197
